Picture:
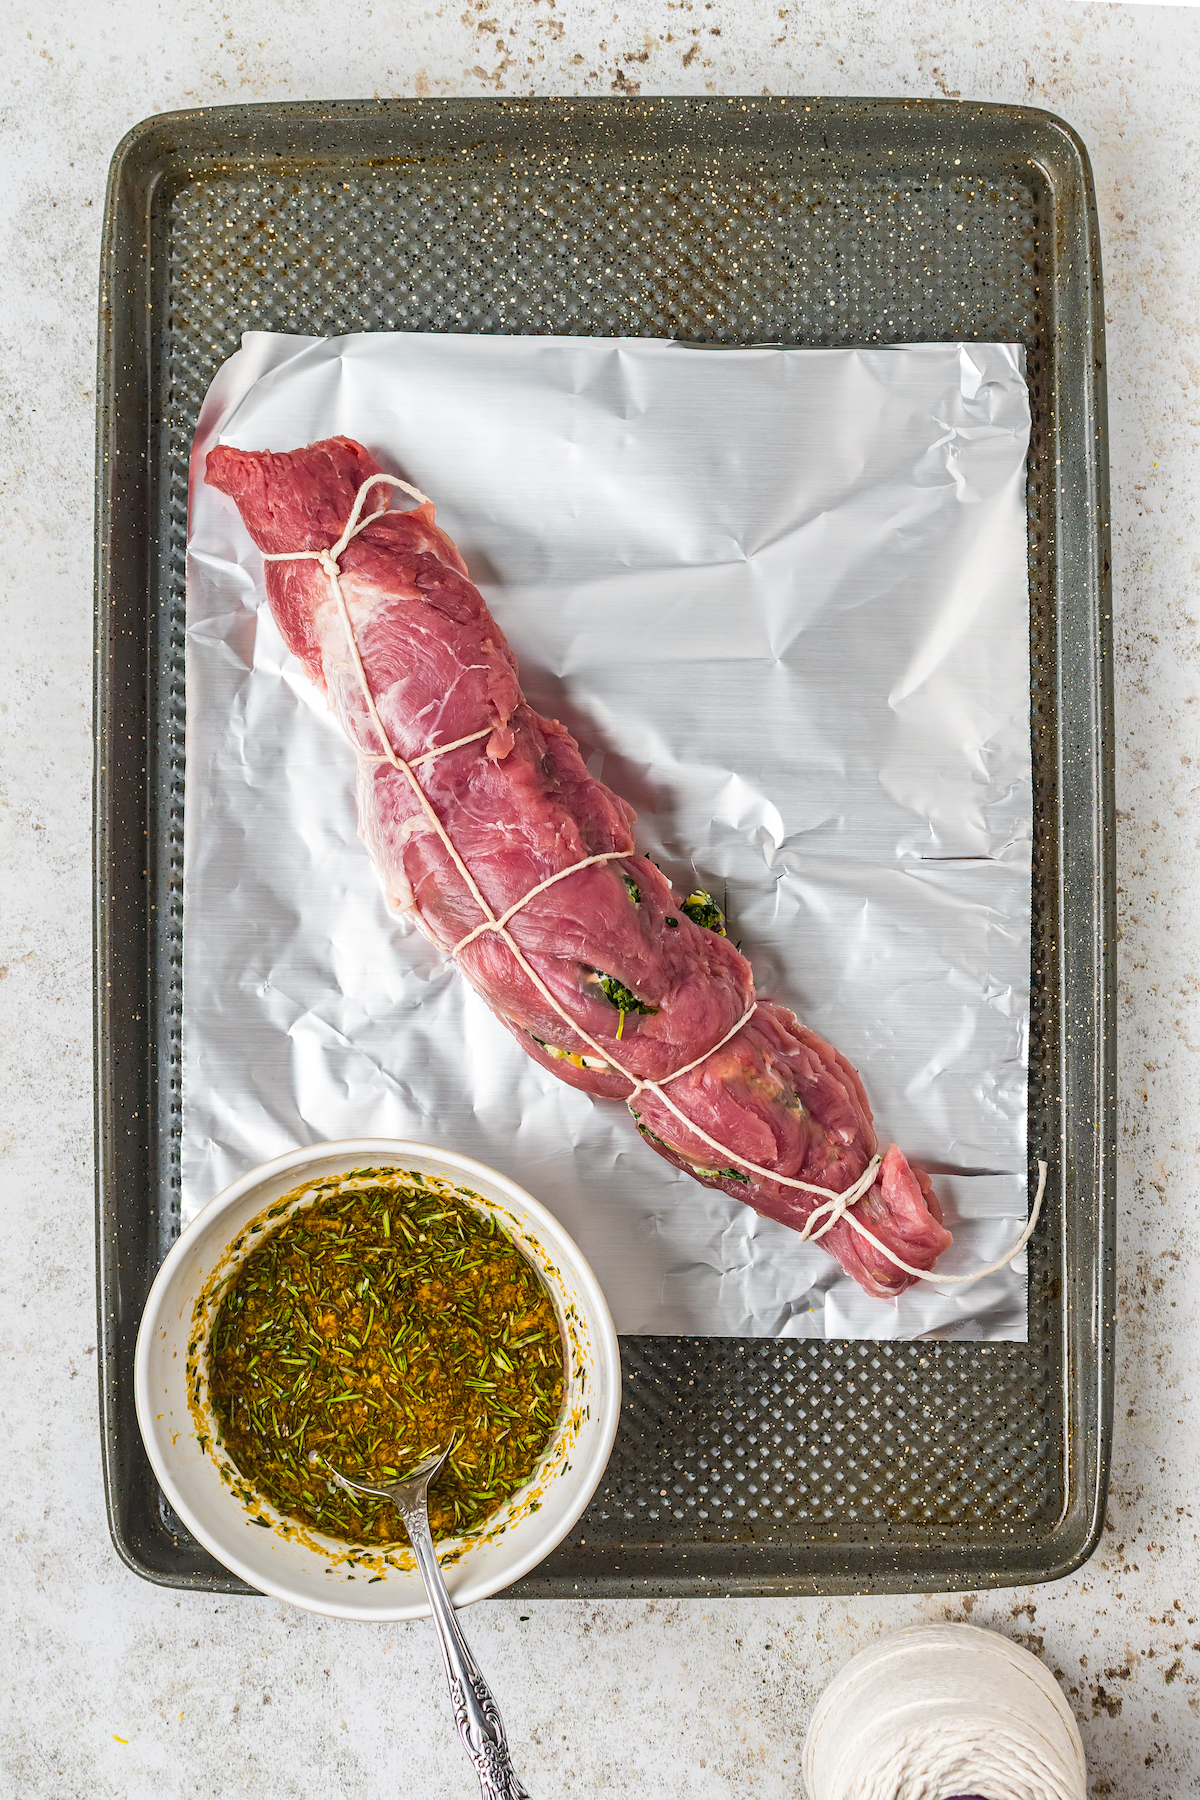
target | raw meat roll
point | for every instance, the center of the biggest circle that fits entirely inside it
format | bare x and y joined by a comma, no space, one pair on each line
470,805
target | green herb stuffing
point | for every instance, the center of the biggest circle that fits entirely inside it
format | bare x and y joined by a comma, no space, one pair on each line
652,1136
361,1332
703,910
622,997
635,892
704,1173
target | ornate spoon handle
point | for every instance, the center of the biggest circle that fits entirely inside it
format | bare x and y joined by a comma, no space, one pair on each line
475,1711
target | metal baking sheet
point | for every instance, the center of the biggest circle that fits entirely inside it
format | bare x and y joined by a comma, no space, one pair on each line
741,1465
782,595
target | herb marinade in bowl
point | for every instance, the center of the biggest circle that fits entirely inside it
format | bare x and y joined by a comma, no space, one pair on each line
369,1327
350,1306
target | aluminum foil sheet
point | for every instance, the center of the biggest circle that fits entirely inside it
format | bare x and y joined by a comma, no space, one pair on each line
780,598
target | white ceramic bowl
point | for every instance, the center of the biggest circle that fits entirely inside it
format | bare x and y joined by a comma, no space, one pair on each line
315,1574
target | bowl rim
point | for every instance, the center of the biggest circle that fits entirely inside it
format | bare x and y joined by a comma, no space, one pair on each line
607,1352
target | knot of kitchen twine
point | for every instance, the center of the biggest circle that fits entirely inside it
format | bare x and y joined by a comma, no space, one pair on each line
834,1206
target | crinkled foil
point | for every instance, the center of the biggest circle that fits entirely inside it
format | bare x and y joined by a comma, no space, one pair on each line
780,598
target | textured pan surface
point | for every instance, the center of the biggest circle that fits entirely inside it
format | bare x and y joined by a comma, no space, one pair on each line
740,1467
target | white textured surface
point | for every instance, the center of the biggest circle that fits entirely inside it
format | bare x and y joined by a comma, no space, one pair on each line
242,1698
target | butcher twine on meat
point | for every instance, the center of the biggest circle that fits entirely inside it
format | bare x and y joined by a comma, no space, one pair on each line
509,856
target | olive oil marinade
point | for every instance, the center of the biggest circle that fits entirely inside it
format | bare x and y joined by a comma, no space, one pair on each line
363,1331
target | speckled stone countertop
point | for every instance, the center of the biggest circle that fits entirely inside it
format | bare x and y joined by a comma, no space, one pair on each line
114,1687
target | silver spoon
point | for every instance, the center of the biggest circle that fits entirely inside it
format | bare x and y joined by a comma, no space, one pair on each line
475,1712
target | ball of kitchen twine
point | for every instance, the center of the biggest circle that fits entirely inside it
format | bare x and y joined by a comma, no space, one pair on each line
944,1712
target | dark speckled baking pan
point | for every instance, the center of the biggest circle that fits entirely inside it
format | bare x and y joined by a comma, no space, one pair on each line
740,1467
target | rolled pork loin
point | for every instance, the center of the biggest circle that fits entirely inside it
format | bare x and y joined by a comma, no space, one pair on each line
607,977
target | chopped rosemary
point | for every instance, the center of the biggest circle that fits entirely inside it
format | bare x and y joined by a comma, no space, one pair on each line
306,1370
